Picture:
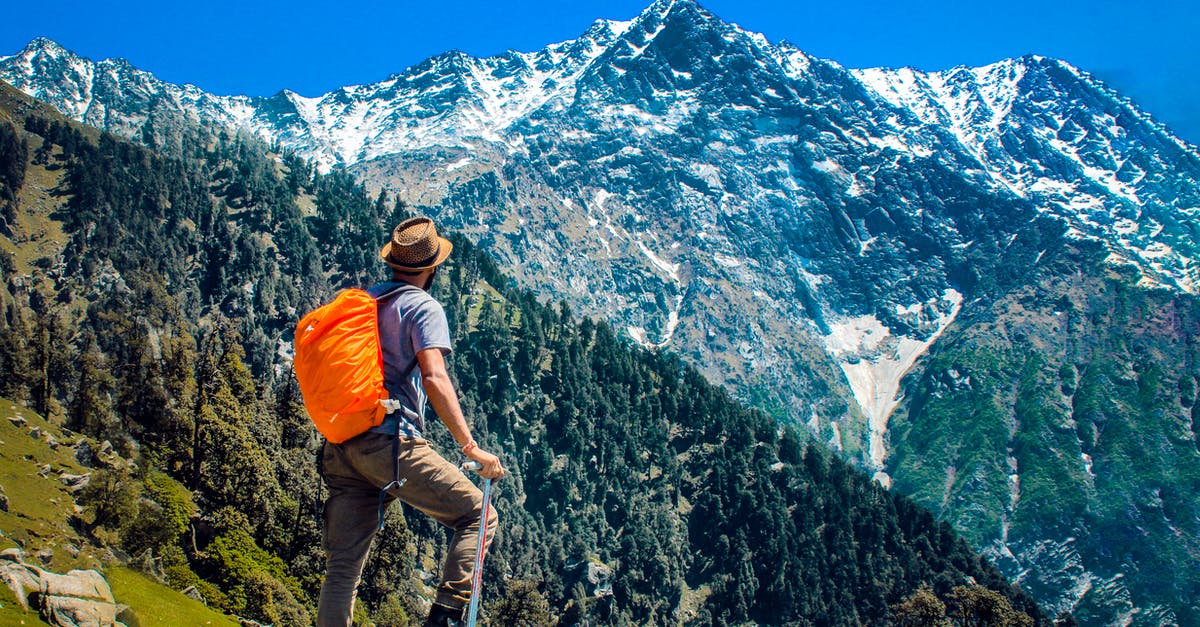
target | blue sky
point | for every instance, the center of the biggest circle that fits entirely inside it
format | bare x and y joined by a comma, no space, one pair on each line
1149,50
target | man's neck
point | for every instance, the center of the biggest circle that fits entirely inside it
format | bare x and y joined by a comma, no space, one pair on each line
416,280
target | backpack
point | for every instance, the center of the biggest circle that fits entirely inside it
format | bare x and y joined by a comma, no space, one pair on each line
339,364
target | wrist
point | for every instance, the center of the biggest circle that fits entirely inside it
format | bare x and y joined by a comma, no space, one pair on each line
469,446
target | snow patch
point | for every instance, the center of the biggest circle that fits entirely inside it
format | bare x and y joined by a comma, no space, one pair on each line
670,269
829,166
457,165
725,261
874,362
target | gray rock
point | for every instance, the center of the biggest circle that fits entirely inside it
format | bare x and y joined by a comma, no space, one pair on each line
84,584
84,454
75,483
75,612
18,421
150,565
3,500
22,579
45,470
36,433
193,593
14,554
600,576
106,447
80,598
45,555
127,616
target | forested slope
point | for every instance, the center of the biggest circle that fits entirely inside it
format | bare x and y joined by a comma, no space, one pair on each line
148,300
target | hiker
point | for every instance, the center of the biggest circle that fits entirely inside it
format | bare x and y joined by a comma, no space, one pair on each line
393,461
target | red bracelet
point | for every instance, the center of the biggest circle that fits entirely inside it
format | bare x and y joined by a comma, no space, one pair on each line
466,448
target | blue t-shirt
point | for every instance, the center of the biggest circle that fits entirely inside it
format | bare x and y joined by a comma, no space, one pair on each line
410,321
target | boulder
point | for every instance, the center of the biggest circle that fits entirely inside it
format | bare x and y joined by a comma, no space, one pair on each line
600,576
45,556
84,454
22,579
83,584
18,421
193,593
36,433
3,500
76,612
75,483
126,616
80,598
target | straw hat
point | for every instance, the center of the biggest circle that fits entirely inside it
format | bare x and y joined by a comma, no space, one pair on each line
415,246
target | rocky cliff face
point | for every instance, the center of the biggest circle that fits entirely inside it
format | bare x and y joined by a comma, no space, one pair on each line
805,234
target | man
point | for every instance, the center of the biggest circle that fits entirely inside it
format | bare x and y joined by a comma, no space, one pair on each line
393,461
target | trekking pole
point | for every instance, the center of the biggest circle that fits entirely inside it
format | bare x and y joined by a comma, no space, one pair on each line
477,576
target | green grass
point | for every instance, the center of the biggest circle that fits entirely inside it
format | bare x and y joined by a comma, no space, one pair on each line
39,507
155,604
37,518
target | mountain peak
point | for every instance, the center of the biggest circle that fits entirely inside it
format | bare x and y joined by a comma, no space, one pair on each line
44,46
662,7
663,10
38,44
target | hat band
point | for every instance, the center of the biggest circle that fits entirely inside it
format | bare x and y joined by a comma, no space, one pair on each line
422,263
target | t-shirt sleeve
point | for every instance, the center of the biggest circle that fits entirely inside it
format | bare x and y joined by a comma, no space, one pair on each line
429,328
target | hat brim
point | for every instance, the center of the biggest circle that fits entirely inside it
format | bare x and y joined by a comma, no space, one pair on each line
444,248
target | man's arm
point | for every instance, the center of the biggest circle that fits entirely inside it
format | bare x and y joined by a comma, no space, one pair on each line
444,399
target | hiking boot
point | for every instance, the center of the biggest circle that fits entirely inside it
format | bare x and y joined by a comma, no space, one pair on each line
442,616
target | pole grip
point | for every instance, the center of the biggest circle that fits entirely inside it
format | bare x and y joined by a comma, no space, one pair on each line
471,464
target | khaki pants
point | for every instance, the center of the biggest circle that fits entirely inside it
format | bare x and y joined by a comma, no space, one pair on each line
355,471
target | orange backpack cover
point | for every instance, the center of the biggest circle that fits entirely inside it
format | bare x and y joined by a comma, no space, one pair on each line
339,364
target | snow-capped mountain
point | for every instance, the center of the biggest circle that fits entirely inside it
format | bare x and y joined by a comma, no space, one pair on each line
1052,134
803,232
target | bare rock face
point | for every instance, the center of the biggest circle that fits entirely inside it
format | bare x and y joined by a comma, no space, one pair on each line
80,598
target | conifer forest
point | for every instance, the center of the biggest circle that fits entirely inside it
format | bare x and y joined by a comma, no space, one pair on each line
149,294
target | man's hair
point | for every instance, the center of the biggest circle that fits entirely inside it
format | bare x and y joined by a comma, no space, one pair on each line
410,277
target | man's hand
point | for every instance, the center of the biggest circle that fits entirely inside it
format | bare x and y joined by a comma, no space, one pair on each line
491,468
444,399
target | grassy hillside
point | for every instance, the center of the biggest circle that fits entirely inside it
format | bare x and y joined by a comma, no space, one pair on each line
39,520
